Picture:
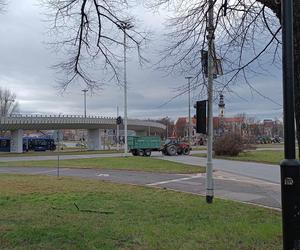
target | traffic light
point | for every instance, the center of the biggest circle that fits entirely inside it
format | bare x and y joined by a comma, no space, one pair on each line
201,117
119,120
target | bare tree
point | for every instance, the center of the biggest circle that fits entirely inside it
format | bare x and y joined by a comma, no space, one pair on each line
247,40
169,126
8,104
89,34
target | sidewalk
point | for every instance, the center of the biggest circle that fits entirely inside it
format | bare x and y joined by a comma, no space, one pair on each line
266,172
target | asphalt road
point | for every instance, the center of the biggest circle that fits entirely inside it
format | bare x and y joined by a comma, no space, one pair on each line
266,172
242,181
227,185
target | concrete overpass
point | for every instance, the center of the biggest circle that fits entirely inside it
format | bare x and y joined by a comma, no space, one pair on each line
17,123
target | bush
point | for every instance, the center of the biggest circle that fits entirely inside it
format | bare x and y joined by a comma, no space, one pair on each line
229,145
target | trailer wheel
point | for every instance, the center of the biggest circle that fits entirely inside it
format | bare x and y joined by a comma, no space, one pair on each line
134,152
147,152
171,150
140,152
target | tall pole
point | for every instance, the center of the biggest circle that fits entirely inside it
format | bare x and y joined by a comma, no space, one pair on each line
125,97
118,130
209,168
289,167
167,127
125,25
189,100
84,93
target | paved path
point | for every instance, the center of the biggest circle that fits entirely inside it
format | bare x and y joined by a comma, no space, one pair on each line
227,185
262,171
244,181
267,172
69,157
54,157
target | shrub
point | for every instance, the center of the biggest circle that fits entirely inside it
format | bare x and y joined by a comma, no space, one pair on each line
229,145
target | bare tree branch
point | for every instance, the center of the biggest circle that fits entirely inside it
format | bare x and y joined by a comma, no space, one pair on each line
87,34
240,28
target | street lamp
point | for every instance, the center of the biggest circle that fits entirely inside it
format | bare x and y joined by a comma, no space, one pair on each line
125,25
118,130
84,94
167,126
189,100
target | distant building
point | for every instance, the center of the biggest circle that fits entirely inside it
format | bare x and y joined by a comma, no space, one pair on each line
241,124
229,125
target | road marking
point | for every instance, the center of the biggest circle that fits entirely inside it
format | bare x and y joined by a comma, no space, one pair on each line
49,171
103,175
251,181
203,175
175,180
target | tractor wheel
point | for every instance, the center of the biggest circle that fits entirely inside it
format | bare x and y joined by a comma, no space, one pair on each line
134,152
147,152
186,151
171,150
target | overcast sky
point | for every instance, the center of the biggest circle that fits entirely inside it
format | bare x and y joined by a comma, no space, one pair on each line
25,68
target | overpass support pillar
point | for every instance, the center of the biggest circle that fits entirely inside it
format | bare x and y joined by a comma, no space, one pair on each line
16,142
94,139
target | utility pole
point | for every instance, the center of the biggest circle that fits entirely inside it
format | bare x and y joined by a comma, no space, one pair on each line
289,167
209,167
118,131
125,25
84,94
189,100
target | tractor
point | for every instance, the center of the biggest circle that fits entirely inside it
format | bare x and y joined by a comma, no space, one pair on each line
173,146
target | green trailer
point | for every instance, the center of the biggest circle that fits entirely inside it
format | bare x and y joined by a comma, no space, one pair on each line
144,145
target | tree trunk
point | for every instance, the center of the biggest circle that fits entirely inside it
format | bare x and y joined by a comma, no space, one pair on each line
297,66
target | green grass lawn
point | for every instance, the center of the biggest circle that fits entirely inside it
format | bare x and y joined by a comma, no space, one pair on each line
62,152
128,163
263,156
39,212
199,148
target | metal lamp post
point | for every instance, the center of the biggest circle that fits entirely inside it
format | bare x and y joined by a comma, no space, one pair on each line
167,127
189,100
125,25
118,131
84,94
